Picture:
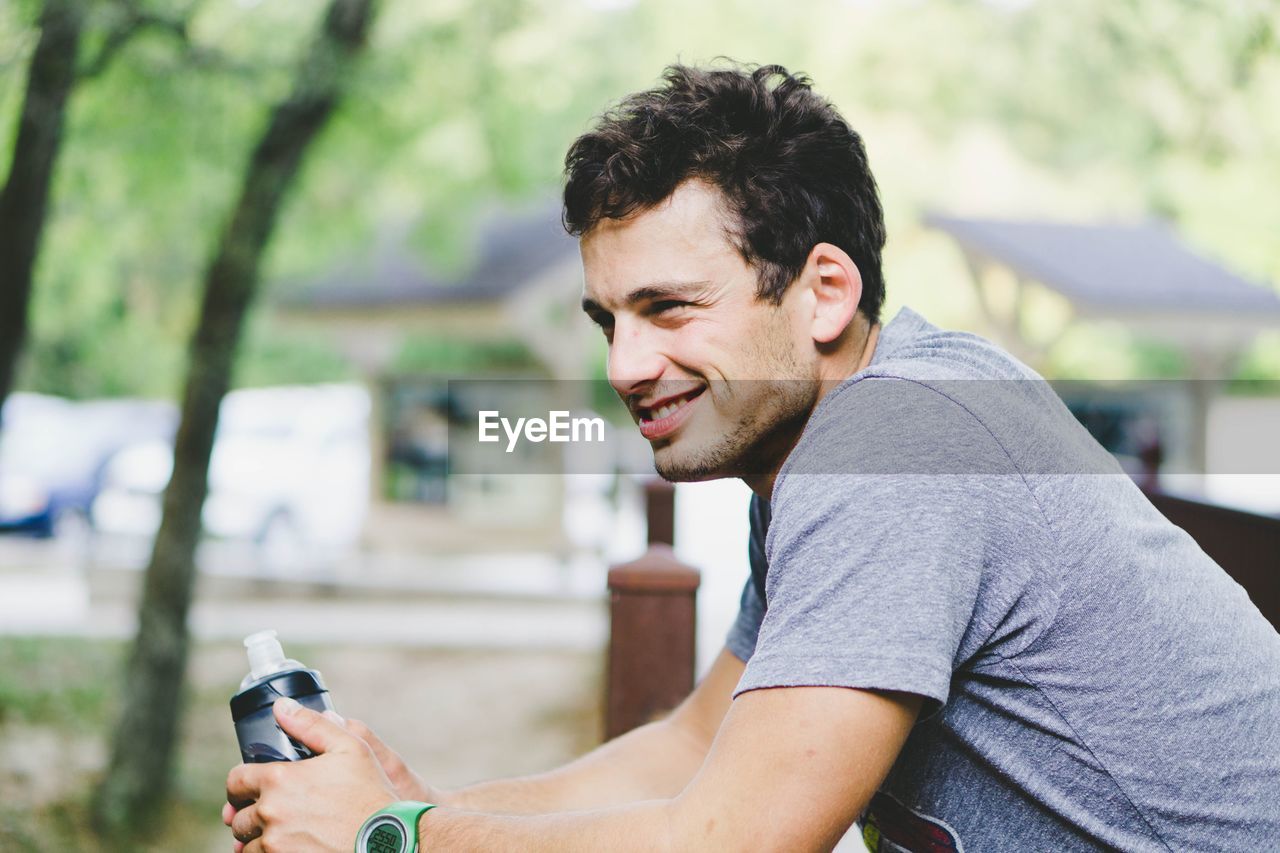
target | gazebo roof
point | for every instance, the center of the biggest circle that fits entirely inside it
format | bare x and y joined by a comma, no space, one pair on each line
1115,269
512,249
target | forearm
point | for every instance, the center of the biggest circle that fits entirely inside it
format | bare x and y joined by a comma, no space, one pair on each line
643,826
653,762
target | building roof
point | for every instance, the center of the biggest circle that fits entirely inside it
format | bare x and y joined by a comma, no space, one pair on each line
511,250
1114,269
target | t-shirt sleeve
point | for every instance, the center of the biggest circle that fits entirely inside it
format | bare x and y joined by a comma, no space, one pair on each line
742,636
874,575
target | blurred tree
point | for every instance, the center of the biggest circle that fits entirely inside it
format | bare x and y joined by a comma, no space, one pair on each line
1141,105
142,750
461,104
24,199
53,74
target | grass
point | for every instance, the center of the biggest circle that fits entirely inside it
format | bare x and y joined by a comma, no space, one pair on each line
58,682
59,698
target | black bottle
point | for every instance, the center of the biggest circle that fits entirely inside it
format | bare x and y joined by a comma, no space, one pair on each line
270,677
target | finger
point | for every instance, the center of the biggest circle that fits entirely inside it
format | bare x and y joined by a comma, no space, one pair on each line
228,812
237,847
386,756
244,784
246,826
316,731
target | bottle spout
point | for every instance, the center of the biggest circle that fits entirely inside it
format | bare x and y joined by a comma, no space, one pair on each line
266,655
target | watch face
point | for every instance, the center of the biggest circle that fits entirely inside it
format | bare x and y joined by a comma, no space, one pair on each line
384,834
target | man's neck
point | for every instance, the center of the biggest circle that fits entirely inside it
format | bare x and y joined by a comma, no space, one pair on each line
762,484
866,353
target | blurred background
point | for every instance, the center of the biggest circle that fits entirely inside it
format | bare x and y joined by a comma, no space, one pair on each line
1090,184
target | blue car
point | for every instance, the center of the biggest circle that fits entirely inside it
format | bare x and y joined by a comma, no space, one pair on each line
53,453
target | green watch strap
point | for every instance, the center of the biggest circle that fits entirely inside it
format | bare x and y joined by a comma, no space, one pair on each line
393,829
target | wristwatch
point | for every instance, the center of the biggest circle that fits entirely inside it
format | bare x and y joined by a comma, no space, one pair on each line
393,829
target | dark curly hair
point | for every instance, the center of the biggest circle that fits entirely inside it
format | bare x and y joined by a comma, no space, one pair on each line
792,170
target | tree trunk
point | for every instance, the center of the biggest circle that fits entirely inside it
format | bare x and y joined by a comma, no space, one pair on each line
139,772
24,201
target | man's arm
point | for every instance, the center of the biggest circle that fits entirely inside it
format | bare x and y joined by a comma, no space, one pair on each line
791,769
654,761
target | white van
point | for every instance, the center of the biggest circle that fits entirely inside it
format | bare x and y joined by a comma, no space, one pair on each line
290,471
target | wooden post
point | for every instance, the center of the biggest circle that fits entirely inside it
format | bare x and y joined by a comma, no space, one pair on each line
653,621
660,509
652,614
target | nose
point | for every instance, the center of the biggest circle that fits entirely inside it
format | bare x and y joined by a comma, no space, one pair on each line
635,359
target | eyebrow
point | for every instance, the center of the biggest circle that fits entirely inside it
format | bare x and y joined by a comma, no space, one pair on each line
651,293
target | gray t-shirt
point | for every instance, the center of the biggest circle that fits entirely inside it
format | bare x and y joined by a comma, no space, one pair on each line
1092,679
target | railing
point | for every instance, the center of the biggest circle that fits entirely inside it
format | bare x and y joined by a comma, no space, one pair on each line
653,619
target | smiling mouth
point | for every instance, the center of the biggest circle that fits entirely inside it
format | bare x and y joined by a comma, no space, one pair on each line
658,421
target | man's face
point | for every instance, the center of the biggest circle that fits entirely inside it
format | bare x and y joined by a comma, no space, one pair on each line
720,382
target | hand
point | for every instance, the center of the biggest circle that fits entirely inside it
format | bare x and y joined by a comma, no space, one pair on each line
311,806
408,785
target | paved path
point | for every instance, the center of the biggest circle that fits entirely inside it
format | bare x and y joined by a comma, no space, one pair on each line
504,601
501,600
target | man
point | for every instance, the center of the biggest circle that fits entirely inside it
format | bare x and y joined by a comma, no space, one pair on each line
964,624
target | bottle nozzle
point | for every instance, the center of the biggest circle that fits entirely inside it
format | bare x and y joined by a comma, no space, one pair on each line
266,655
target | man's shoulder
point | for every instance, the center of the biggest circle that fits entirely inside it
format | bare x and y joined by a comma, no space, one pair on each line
935,401
894,423
912,348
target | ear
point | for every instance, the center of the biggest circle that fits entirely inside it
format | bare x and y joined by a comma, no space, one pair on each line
835,286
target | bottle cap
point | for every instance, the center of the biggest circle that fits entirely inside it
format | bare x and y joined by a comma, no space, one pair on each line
296,683
266,655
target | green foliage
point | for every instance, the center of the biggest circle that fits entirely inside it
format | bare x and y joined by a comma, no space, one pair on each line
274,357
441,119
1261,367
1176,95
57,682
1098,108
445,356
69,687
17,41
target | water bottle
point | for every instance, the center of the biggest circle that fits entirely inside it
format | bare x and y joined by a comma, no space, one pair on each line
270,677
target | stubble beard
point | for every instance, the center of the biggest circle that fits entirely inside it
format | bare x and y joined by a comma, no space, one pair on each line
754,444
767,417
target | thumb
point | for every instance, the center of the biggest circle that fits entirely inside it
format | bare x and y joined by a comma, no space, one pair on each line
312,729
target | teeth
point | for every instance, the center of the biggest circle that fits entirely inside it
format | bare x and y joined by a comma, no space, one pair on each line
666,410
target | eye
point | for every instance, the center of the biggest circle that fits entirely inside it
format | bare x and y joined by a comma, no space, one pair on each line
662,306
605,322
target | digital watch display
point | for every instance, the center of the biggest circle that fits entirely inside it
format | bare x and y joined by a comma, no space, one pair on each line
393,829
